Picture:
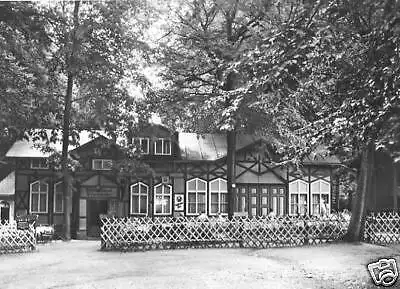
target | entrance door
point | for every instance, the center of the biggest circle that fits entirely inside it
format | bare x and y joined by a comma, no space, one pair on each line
94,209
259,199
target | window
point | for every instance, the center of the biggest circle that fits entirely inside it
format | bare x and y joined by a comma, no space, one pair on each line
38,195
196,194
298,198
143,144
102,164
39,163
58,198
162,146
139,198
278,200
219,197
162,199
320,197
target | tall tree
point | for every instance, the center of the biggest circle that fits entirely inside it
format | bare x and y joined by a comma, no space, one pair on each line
346,53
99,46
88,63
206,90
27,94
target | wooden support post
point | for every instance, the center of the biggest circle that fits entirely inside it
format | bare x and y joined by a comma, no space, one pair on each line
230,162
394,186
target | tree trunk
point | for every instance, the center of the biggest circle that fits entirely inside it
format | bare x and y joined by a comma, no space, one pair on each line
230,163
359,202
67,179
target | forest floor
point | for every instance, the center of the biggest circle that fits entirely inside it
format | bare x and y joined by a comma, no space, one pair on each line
80,264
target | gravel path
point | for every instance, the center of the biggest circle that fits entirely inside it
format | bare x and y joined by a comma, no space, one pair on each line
80,264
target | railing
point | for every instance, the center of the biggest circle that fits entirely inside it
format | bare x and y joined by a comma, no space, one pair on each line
382,228
15,240
184,232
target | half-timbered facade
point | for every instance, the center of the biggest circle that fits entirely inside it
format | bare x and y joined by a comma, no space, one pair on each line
186,175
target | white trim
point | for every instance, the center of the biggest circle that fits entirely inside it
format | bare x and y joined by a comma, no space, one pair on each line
54,199
299,194
162,194
102,164
320,194
219,196
163,153
196,191
40,163
139,195
39,193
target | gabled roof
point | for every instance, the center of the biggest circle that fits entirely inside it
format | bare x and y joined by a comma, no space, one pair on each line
210,147
32,149
7,181
192,146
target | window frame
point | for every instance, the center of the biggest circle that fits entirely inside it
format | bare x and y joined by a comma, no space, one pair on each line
196,191
320,194
163,153
40,167
139,194
141,139
219,192
39,193
102,164
54,199
162,194
298,193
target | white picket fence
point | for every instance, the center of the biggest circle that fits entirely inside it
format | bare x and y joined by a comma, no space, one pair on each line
14,240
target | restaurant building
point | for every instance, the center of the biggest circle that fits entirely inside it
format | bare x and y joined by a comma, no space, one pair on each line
185,175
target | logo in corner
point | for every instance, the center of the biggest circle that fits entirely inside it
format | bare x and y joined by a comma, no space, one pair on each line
384,272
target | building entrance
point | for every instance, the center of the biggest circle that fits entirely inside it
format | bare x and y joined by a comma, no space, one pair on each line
94,209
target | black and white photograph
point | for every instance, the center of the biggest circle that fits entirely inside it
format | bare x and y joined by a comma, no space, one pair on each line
199,144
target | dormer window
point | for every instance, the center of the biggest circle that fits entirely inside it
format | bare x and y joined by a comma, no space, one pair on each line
102,164
162,146
39,164
143,144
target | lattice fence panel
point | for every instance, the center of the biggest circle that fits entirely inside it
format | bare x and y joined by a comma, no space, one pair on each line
13,240
184,232
382,228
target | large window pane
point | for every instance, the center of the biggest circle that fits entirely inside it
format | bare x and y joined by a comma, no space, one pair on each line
196,196
159,146
192,185
167,146
158,209
201,186
201,198
35,187
43,187
163,195
215,186
223,185
224,208
218,197
35,202
214,208
192,197
192,208
135,204
43,202
167,202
